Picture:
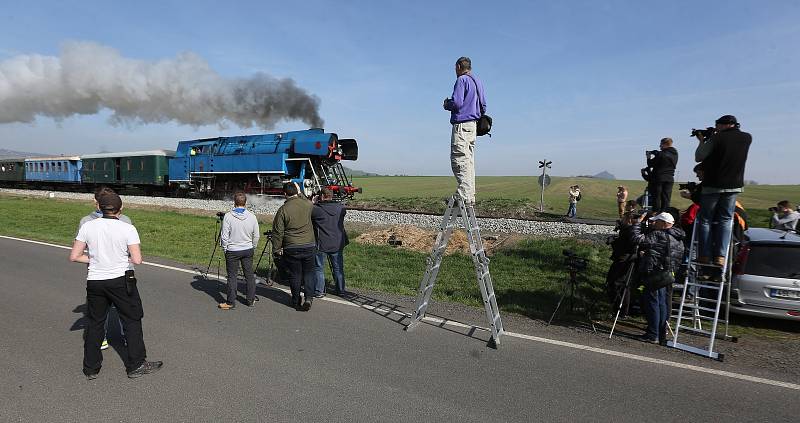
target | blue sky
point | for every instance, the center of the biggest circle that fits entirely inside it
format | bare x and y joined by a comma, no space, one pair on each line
589,85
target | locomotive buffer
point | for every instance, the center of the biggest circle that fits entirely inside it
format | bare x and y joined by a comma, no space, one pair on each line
455,208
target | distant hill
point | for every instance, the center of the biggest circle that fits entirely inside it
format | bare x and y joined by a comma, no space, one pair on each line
11,154
359,173
604,175
601,175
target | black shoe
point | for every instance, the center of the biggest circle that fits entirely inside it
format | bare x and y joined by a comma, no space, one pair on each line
647,338
145,369
306,306
250,303
91,376
320,295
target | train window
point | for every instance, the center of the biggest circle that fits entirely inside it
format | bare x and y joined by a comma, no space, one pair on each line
47,166
141,165
41,166
105,165
59,166
128,163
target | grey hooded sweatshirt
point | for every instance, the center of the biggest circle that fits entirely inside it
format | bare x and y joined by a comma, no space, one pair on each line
239,230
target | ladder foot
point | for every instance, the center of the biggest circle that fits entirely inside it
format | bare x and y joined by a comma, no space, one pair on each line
492,343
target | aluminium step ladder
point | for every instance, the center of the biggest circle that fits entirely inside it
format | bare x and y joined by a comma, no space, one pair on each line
457,207
704,300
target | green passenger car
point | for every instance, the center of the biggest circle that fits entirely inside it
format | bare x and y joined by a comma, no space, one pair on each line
12,170
132,168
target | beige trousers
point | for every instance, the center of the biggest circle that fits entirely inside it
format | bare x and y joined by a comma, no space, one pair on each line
462,158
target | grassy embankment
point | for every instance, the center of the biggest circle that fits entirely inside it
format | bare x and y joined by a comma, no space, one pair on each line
519,195
528,276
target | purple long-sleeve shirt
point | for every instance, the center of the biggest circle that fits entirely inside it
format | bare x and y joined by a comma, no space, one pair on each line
463,106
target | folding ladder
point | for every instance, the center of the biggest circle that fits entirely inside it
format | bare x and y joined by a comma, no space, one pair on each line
695,300
455,208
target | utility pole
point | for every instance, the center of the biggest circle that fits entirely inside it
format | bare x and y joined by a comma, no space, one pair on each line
544,180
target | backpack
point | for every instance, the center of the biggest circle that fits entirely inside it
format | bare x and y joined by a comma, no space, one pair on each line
578,198
484,123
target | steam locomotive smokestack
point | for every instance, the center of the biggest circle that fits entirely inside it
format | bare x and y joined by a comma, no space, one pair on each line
88,77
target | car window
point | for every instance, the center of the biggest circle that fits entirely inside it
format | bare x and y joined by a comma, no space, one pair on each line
774,261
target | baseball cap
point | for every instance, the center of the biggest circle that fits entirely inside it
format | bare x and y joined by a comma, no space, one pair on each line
727,120
666,217
110,202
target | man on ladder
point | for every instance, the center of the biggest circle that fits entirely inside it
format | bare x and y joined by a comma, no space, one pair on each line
723,156
723,151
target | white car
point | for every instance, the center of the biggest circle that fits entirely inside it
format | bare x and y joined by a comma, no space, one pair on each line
766,275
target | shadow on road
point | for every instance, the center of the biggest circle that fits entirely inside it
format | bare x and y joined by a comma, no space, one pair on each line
397,314
215,289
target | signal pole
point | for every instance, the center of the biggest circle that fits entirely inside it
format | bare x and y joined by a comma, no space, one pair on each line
544,180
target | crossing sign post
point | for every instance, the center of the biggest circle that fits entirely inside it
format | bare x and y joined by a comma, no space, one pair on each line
544,180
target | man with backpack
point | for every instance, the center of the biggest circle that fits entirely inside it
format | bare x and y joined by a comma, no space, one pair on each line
574,197
466,106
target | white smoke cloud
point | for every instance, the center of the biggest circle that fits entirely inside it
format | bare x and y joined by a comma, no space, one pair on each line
89,77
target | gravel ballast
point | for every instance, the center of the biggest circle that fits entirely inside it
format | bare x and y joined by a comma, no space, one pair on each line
264,205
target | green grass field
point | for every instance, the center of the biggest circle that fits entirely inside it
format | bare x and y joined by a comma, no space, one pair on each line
528,275
519,195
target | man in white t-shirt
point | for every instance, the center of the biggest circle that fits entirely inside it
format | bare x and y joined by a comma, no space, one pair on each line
113,245
97,214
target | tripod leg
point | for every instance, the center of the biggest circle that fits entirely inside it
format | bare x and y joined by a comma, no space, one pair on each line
628,277
557,307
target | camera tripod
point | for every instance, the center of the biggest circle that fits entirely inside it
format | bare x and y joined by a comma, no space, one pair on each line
626,289
268,281
574,266
217,235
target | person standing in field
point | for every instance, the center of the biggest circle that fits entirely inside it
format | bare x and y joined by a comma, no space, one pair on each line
574,197
622,197
466,105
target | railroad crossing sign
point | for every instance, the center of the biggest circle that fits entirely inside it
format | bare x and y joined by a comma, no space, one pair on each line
544,180
544,163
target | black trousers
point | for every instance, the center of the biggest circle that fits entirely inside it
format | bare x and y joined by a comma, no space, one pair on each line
234,259
99,296
299,265
661,193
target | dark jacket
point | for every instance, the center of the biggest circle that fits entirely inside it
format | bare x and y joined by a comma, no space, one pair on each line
664,164
724,167
328,219
653,244
292,226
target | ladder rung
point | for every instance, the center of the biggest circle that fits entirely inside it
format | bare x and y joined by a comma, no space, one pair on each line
689,328
694,307
702,285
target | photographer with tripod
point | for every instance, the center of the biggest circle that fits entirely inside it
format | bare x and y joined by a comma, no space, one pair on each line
723,151
238,239
294,242
662,163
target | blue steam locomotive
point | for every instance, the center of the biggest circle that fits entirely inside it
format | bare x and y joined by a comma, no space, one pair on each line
211,167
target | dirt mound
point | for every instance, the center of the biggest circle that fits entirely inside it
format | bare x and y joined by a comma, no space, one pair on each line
421,240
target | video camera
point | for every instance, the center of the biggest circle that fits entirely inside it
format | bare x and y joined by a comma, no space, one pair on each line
268,234
573,262
706,133
220,215
690,186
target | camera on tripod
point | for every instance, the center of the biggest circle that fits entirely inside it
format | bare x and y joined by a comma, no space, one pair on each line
573,262
268,234
706,133
220,215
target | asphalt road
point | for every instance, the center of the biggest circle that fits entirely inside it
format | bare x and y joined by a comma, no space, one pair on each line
334,363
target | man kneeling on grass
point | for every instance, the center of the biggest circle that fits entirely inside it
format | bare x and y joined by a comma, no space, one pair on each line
661,250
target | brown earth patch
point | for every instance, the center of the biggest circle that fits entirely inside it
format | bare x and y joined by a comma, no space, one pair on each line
422,240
